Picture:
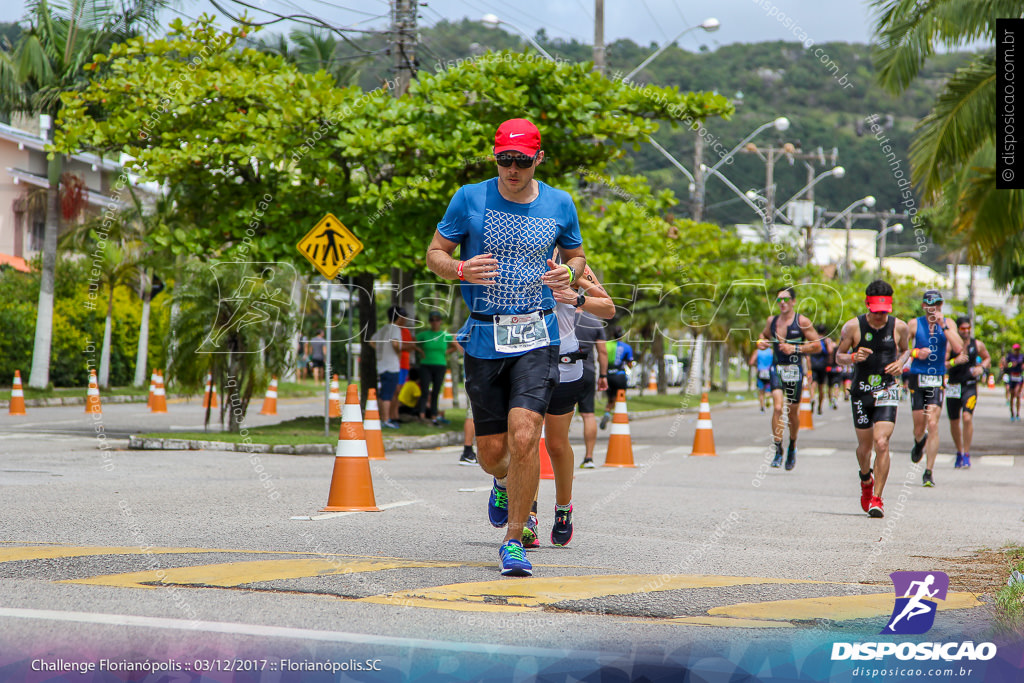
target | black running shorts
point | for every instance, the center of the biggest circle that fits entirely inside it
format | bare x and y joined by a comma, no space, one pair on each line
616,381
497,385
866,413
791,391
965,402
923,396
565,397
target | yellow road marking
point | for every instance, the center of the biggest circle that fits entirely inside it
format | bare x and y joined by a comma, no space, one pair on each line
838,608
530,594
232,574
51,552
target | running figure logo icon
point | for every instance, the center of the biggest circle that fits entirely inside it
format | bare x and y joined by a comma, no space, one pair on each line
916,593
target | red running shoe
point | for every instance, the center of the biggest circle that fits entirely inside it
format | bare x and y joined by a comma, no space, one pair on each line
875,508
867,492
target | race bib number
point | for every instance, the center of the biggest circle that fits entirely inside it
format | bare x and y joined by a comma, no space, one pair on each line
520,332
764,374
887,397
953,391
789,373
929,381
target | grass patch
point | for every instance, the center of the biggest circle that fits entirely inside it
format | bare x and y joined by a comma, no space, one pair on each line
651,401
303,430
1010,599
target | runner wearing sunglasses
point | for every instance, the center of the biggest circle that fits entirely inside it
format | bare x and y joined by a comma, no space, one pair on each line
876,344
930,334
962,390
790,336
507,229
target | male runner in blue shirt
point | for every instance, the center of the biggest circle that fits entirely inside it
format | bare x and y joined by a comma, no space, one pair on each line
507,229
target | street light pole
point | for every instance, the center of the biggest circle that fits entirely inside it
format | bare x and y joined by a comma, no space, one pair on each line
599,36
492,21
710,25
869,202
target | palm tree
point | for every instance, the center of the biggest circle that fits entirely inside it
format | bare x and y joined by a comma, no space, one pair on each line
312,50
235,323
957,135
48,60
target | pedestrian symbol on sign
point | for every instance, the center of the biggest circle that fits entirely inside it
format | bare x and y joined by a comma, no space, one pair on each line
329,246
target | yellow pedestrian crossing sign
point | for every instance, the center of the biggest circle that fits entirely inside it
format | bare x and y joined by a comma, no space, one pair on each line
329,246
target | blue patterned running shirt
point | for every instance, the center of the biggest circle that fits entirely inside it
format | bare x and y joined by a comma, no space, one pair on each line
521,237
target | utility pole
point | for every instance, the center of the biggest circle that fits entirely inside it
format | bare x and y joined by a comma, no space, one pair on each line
599,65
403,42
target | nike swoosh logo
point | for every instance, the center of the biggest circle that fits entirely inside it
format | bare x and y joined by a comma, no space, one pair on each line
516,135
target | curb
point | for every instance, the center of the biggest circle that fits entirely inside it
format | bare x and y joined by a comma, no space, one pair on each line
56,401
401,443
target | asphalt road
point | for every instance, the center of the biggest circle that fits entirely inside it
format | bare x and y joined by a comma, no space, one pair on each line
109,552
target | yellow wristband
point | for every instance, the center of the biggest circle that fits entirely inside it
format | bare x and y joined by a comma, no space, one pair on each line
572,273
913,353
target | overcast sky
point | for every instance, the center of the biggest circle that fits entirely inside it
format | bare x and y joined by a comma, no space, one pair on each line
644,21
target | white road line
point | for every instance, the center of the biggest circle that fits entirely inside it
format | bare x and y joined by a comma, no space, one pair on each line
332,515
262,631
748,450
816,452
999,460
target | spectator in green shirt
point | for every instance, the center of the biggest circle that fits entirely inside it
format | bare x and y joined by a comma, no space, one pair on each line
433,346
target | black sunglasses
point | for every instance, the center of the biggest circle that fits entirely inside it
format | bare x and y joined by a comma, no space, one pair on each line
505,160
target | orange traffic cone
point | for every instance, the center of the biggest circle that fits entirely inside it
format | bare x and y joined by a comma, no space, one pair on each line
152,390
447,401
991,381
652,384
620,445
806,416
704,437
17,395
546,471
334,399
270,399
159,396
210,394
351,482
92,398
371,428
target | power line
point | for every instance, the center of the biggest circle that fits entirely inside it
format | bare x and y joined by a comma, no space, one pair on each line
655,19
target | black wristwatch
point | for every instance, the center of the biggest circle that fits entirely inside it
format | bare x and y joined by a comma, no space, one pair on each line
603,376
580,300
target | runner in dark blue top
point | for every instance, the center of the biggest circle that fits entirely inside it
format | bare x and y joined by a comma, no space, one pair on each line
620,359
507,230
791,336
929,335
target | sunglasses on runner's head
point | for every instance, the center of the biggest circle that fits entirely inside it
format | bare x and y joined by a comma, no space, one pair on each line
505,160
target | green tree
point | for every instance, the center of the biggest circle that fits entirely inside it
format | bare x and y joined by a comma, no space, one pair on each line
957,134
46,62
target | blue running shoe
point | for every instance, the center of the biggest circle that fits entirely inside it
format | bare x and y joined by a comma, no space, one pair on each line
497,506
967,461
513,559
959,461
530,539
777,462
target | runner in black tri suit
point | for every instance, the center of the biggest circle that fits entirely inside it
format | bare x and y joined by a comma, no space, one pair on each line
877,344
962,389
791,336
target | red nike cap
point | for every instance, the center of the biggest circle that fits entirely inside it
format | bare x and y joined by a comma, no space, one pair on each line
517,135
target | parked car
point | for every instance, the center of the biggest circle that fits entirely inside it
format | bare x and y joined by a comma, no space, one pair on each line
673,371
